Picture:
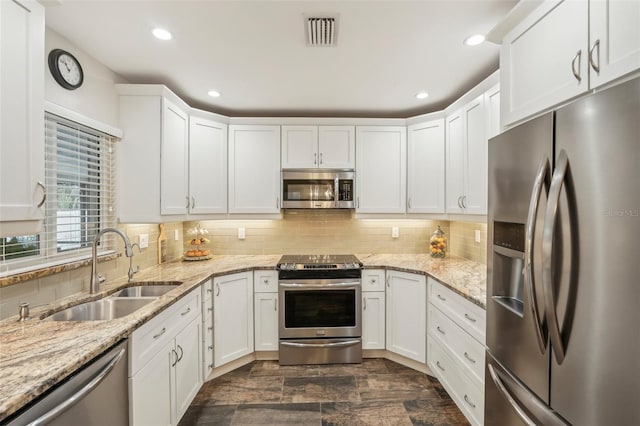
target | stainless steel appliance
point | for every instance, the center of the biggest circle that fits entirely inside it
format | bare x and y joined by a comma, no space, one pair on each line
95,395
563,303
320,309
318,189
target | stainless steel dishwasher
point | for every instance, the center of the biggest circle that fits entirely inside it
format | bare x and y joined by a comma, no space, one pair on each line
95,395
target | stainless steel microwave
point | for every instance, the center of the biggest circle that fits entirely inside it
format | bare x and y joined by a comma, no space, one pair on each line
318,189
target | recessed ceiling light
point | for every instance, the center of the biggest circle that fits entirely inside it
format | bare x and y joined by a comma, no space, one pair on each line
474,40
422,95
214,93
162,34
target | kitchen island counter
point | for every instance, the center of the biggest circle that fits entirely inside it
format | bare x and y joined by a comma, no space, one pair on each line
38,353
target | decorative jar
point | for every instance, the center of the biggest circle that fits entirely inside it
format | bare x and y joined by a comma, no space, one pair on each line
438,244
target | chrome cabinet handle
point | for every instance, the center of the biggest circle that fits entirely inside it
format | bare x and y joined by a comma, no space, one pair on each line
164,329
409,202
441,331
185,312
210,366
466,355
275,304
218,287
209,290
44,194
277,202
266,281
210,347
462,201
466,399
84,391
210,309
181,354
358,202
188,202
388,281
550,221
441,298
193,202
440,366
176,354
541,181
364,301
209,328
577,58
315,158
469,318
592,62
320,158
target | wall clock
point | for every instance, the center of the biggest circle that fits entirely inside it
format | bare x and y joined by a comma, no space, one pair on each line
65,69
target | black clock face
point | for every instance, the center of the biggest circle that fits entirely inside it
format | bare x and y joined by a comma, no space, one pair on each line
65,69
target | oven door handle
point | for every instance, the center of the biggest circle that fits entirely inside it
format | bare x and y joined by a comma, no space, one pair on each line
321,345
320,286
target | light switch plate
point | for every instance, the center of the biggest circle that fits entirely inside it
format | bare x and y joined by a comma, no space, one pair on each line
143,240
477,235
241,233
395,232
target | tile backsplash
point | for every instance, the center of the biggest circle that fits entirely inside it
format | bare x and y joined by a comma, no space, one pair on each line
462,240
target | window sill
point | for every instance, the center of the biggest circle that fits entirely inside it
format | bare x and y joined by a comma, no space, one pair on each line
45,271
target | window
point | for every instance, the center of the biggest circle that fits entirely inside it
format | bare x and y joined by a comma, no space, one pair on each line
80,181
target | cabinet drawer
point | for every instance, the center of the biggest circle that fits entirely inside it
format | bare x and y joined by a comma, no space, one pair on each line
468,351
467,393
373,280
265,281
207,291
146,340
472,318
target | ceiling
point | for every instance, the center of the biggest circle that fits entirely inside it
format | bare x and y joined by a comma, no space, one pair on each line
255,52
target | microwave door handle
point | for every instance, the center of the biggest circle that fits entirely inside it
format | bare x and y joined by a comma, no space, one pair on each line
541,181
550,221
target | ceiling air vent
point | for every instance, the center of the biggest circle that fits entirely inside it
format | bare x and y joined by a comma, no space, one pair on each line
321,31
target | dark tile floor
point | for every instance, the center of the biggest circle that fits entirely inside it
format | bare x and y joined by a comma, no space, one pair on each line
376,392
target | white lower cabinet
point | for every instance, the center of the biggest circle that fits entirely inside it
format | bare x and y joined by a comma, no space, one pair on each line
456,351
407,315
265,305
232,317
164,364
373,309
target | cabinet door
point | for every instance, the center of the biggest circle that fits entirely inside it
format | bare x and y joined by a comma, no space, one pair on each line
538,59
407,315
299,147
173,160
492,108
373,320
336,147
21,113
425,168
232,317
266,321
614,29
474,200
187,375
207,166
150,390
381,164
254,169
455,151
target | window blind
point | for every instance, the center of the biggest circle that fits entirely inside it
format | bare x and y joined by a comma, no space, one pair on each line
80,182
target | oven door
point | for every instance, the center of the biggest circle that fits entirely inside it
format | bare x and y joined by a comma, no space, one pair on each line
320,308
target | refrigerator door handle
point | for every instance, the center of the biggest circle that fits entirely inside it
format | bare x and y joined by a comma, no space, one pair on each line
542,181
550,219
510,398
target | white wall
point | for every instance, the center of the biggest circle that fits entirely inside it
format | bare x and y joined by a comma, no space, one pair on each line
97,97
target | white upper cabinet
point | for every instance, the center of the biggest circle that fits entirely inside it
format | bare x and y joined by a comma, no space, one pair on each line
466,152
425,167
381,167
328,147
565,48
174,191
21,116
254,169
492,107
207,166
614,36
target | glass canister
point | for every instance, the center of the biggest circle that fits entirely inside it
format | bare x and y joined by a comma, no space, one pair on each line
438,243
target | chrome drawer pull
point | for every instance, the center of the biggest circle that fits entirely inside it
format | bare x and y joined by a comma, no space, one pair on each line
186,312
210,328
209,290
466,355
466,399
210,309
164,329
210,366
441,298
440,330
439,366
469,318
210,348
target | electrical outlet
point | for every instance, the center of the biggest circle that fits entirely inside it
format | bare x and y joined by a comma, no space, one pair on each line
176,234
143,240
395,232
241,233
477,235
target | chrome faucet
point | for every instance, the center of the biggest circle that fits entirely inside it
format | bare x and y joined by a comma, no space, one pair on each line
128,251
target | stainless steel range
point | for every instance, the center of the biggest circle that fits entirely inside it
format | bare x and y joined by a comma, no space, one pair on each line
320,309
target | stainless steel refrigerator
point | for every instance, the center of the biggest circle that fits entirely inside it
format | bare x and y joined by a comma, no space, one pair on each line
563,296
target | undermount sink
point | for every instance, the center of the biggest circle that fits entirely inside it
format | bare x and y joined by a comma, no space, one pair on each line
153,290
98,310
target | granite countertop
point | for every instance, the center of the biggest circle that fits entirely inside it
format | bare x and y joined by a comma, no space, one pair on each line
37,354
